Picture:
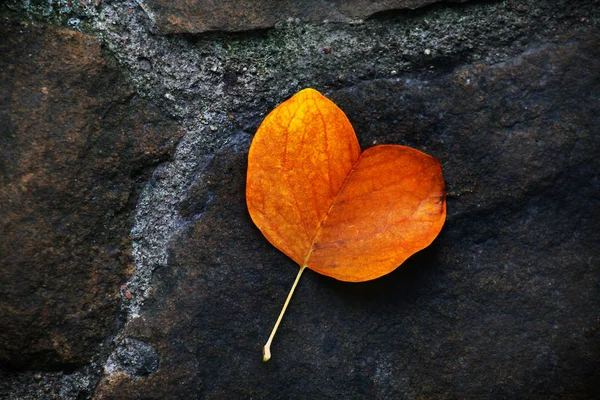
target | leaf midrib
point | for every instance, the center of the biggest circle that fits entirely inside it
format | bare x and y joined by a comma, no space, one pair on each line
312,243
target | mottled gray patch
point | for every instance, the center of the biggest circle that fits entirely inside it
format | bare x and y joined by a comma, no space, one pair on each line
134,357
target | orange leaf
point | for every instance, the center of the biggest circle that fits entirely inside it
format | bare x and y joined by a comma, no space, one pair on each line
351,216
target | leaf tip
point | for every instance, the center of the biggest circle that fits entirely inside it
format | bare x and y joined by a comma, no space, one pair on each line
309,93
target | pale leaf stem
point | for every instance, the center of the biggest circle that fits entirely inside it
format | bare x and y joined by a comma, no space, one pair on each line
267,348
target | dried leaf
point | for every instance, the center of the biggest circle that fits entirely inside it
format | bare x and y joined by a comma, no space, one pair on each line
351,216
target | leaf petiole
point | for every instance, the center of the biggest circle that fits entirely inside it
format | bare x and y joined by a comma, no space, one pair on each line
267,347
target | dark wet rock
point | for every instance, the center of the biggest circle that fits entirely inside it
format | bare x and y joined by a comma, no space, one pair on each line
229,15
502,305
75,146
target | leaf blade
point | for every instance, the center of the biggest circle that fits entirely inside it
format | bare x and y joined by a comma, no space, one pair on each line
298,160
347,215
381,218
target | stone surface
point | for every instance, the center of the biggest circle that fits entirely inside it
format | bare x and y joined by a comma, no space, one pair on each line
196,16
135,358
75,145
502,305
485,273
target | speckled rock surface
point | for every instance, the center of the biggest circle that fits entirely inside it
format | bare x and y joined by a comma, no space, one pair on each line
196,16
76,143
503,305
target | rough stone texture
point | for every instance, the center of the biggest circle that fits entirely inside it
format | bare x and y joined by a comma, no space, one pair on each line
502,305
76,142
134,357
196,16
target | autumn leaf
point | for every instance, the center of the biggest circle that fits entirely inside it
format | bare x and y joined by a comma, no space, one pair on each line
349,215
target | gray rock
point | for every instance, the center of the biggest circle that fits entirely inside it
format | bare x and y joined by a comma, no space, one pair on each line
502,305
134,357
